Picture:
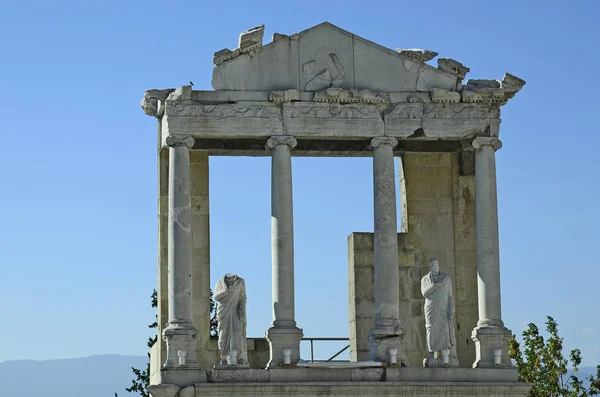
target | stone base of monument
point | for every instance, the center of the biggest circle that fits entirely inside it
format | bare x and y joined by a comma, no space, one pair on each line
183,377
376,381
439,362
230,366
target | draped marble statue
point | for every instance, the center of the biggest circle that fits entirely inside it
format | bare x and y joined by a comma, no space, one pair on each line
436,287
230,294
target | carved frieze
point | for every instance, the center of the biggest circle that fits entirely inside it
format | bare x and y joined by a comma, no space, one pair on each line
342,95
257,110
412,110
330,111
459,111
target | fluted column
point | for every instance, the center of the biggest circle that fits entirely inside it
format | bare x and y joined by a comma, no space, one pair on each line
387,332
283,333
180,334
490,333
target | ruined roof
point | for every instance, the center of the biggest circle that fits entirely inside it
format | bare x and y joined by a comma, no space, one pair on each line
326,56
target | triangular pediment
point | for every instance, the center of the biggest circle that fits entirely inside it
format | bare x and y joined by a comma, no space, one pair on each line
326,56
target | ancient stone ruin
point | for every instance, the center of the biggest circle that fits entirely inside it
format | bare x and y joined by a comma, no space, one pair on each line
327,92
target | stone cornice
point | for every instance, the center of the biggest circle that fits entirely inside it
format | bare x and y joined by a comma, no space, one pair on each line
487,141
275,141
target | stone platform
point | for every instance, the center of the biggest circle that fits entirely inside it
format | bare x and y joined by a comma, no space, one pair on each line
342,382
364,389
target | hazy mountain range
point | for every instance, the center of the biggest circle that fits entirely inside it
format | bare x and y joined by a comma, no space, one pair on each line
95,376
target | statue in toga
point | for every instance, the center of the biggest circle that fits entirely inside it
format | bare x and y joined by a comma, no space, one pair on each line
436,287
230,294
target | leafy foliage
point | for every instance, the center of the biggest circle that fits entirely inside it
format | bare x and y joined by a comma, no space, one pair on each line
541,362
213,319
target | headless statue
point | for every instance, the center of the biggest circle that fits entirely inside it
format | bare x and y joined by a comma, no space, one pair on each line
436,287
230,294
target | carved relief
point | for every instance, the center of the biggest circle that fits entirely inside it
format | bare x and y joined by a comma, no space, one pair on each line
241,110
331,111
406,111
326,68
455,111
349,96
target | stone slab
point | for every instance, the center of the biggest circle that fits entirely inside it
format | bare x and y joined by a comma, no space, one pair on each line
183,377
450,374
361,389
238,375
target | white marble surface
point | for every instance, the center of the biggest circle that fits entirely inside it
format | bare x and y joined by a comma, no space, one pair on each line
230,295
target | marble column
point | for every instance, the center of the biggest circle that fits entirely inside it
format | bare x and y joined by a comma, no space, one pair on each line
180,334
490,333
387,332
283,333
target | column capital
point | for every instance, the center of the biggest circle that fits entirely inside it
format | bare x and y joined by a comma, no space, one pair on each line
277,140
487,141
175,141
383,140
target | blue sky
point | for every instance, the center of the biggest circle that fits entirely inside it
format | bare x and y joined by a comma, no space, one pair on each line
78,203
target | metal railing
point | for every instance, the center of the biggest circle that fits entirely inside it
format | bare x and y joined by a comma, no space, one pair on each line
312,354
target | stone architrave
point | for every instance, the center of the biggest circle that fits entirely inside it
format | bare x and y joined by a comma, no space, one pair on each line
180,334
436,288
230,294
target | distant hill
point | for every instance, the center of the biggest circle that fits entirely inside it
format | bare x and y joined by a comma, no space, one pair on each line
95,376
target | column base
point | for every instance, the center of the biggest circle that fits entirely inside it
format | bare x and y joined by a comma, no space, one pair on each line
384,339
181,342
487,340
283,338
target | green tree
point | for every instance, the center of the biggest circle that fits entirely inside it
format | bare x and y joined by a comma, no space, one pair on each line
142,377
542,363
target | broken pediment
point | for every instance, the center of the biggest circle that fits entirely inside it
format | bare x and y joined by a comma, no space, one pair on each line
326,56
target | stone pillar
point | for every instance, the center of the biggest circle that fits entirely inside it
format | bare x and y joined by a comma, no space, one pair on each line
490,333
180,334
283,333
387,332
199,160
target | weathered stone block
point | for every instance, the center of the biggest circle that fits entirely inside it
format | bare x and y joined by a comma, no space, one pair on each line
445,206
361,241
199,156
365,309
199,179
416,307
200,230
363,258
364,282
443,179
423,207
200,205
